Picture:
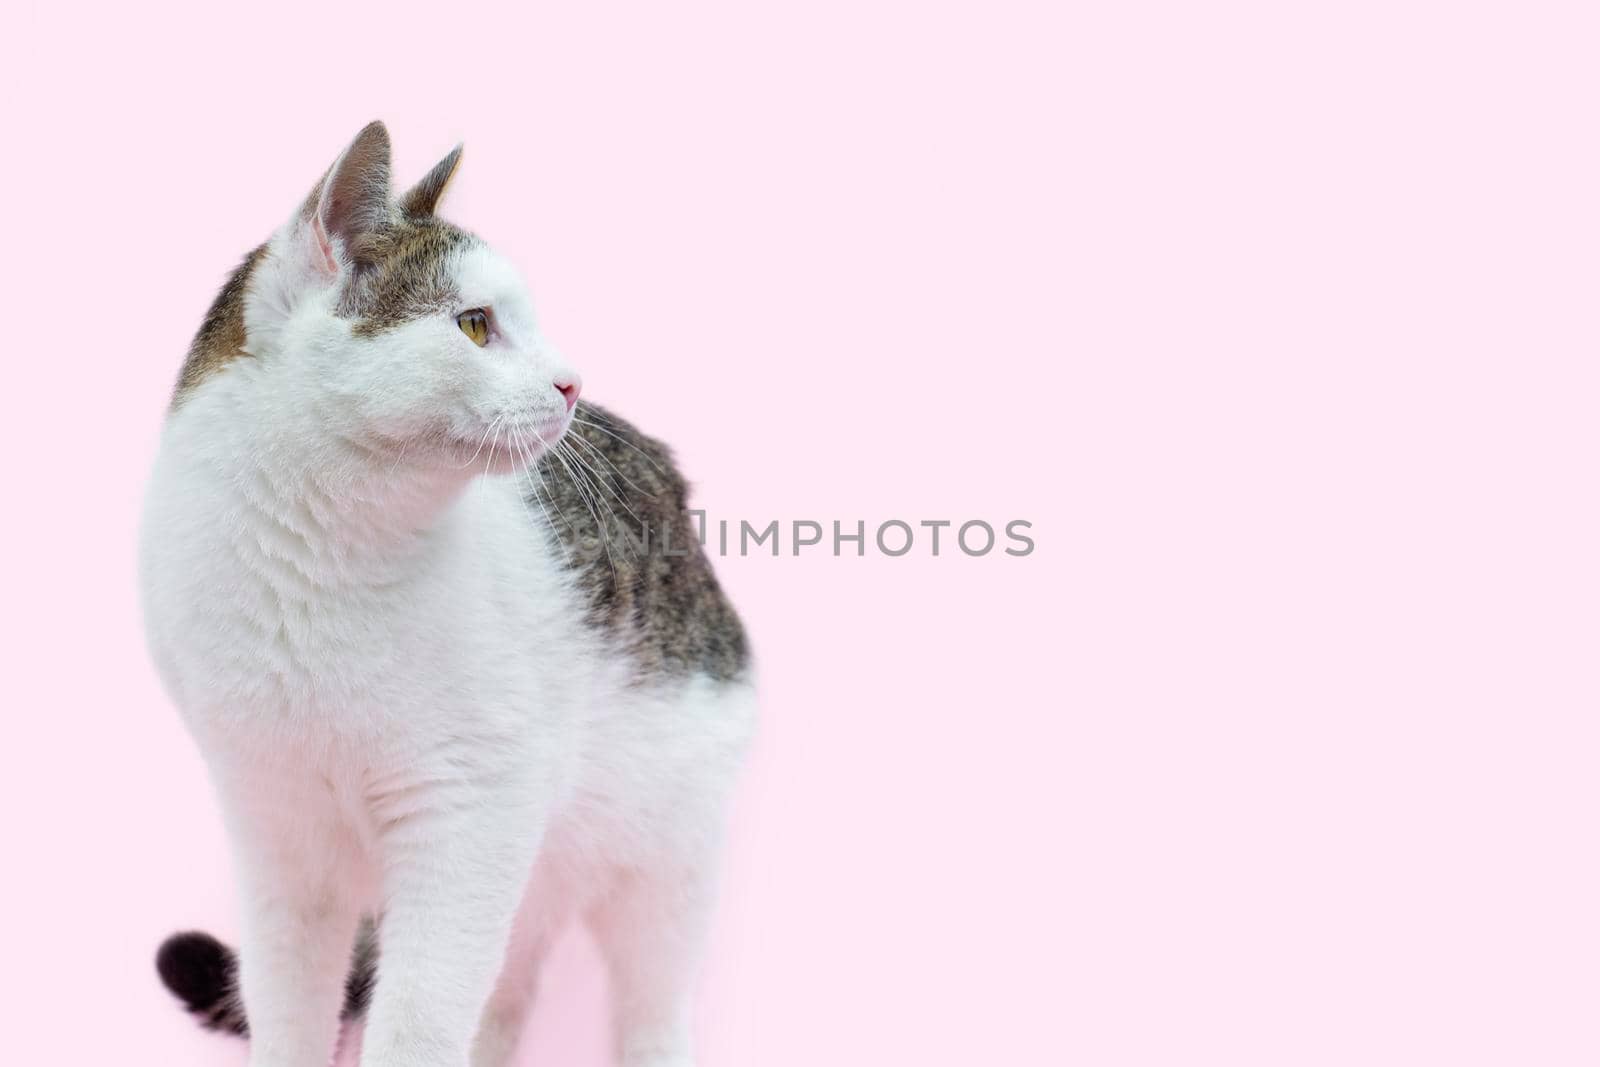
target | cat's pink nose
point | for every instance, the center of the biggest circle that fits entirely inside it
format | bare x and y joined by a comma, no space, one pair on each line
568,387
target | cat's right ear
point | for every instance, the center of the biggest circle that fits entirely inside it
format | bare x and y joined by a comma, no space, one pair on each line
350,203
422,199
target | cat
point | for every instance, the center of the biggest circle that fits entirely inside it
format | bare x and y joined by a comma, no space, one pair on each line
444,708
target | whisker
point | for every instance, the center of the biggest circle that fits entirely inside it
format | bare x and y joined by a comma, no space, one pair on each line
601,479
595,450
490,457
605,541
486,431
624,440
537,473
608,518
534,490
402,455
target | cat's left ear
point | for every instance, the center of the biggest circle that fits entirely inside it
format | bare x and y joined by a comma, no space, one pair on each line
421,199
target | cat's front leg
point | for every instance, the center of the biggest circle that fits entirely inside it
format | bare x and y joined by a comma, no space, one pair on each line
298,870
456,851
651,928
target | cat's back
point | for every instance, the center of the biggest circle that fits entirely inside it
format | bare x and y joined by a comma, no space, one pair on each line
618,508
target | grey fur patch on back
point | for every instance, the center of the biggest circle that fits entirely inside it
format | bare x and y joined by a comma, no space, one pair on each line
621,516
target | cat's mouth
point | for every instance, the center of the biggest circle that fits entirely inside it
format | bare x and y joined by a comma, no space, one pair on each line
501,449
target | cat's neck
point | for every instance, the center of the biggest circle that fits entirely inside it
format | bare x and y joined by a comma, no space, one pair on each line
340,510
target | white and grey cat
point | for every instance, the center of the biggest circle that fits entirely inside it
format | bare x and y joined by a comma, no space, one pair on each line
439,723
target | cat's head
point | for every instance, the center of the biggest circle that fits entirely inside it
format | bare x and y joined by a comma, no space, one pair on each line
394,329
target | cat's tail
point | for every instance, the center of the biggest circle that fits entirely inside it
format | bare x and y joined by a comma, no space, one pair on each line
204,973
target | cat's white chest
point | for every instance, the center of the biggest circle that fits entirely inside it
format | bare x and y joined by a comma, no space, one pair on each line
252,620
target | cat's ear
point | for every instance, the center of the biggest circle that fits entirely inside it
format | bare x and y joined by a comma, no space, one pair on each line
351,202
422,198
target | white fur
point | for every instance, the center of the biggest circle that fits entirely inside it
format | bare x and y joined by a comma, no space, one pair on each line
384,663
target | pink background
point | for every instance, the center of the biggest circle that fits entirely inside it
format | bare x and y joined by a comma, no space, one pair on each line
1278,321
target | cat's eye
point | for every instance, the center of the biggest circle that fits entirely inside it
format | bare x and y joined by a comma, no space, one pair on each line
475,324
